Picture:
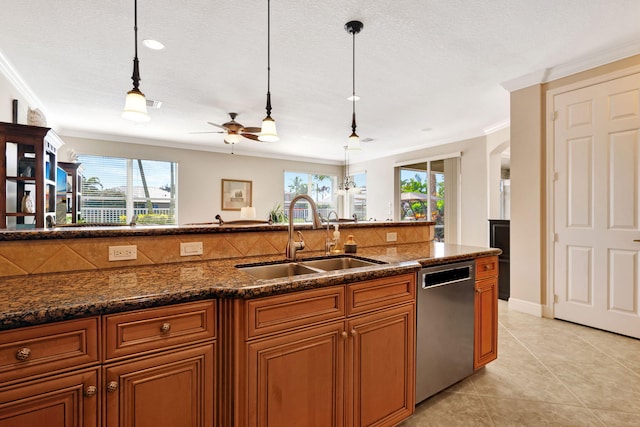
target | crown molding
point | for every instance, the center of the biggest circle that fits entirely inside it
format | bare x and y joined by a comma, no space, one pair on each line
14,79
572,67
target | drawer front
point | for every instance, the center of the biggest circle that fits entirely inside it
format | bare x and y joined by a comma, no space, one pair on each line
486,267
284,312
158,328
380,293
39,350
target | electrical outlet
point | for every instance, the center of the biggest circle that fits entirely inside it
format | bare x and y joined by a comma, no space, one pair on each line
190,248
392,237
123,253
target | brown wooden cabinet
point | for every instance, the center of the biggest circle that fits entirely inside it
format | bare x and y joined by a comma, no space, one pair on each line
73,191
160,366
49,375
67,400
486,312
337,356
157,367
27,166
169,389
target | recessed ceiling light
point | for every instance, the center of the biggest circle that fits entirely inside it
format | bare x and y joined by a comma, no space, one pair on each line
153,44
353,98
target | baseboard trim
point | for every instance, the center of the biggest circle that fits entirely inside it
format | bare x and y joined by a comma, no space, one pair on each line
525,307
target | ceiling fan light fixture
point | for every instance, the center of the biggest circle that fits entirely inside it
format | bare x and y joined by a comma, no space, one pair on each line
135,105
232,138
268,132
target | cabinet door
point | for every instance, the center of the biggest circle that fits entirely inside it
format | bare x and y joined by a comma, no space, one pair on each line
69,400
381,369
171,389
486,322
297,379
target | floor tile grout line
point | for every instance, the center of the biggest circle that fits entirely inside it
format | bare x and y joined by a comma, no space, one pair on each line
566,386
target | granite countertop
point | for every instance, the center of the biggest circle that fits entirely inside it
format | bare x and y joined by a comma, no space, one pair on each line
47,298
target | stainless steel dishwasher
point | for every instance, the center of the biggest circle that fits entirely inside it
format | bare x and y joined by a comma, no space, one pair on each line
444,329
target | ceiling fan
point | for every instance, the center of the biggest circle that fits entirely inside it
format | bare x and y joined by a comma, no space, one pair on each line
235,130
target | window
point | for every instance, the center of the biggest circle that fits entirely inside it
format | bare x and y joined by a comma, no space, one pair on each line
422,194
321,188
114,190
358,199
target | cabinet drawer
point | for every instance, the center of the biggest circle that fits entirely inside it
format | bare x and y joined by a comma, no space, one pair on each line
380,293
158,328
486,267
39,350
283,312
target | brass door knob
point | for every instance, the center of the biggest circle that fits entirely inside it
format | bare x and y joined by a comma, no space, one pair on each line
112,386
23,354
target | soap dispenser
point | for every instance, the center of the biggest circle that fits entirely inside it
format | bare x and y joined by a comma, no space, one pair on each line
336,239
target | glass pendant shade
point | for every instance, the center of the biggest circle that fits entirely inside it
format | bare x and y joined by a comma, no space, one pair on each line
354,142
268,133
232,138
135,107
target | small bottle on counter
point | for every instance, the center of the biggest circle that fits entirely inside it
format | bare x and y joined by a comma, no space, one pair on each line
336,239
350,246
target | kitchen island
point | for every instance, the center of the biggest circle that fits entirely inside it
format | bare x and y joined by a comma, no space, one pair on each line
120,340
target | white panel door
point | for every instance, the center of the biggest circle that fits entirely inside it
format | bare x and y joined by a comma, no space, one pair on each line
596,205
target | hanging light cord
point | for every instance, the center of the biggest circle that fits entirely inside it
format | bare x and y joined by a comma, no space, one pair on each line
268,58
353,82
136,71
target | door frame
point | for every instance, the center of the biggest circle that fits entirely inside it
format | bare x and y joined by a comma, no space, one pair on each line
548,298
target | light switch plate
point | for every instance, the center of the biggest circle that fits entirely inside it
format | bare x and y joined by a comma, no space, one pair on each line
190,248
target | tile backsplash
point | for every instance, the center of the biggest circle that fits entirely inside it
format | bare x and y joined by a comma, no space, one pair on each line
81,254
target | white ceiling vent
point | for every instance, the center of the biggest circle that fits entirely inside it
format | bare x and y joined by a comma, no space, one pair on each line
154,104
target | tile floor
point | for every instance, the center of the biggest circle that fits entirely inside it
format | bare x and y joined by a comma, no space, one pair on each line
548,373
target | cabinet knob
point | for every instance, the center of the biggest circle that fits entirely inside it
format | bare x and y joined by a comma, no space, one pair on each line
353,333
345,334
91,391
112,386
166,327
23,354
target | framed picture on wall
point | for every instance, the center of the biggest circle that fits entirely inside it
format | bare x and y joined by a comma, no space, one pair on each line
236,194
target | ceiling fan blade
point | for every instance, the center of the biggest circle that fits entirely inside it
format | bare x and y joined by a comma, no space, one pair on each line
250,136
216,125
252,130
215,131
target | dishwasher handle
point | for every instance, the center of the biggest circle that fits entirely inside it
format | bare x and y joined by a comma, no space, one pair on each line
446,276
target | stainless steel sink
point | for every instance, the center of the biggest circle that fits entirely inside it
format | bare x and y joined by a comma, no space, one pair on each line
311,266
274,271
330,264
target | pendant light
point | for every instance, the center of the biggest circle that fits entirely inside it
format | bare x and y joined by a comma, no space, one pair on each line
135,106
353,28
347,183
268,133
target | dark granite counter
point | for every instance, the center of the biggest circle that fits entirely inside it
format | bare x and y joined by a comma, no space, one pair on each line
73,231
53,297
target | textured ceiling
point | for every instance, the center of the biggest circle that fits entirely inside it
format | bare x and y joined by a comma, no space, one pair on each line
428,72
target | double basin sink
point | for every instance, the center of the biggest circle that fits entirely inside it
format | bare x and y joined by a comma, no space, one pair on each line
308,266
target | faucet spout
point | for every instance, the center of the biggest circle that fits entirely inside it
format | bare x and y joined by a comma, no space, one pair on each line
292,245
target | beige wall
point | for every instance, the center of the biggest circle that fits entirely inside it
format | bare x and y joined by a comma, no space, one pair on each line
529,231
200,174
474,191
